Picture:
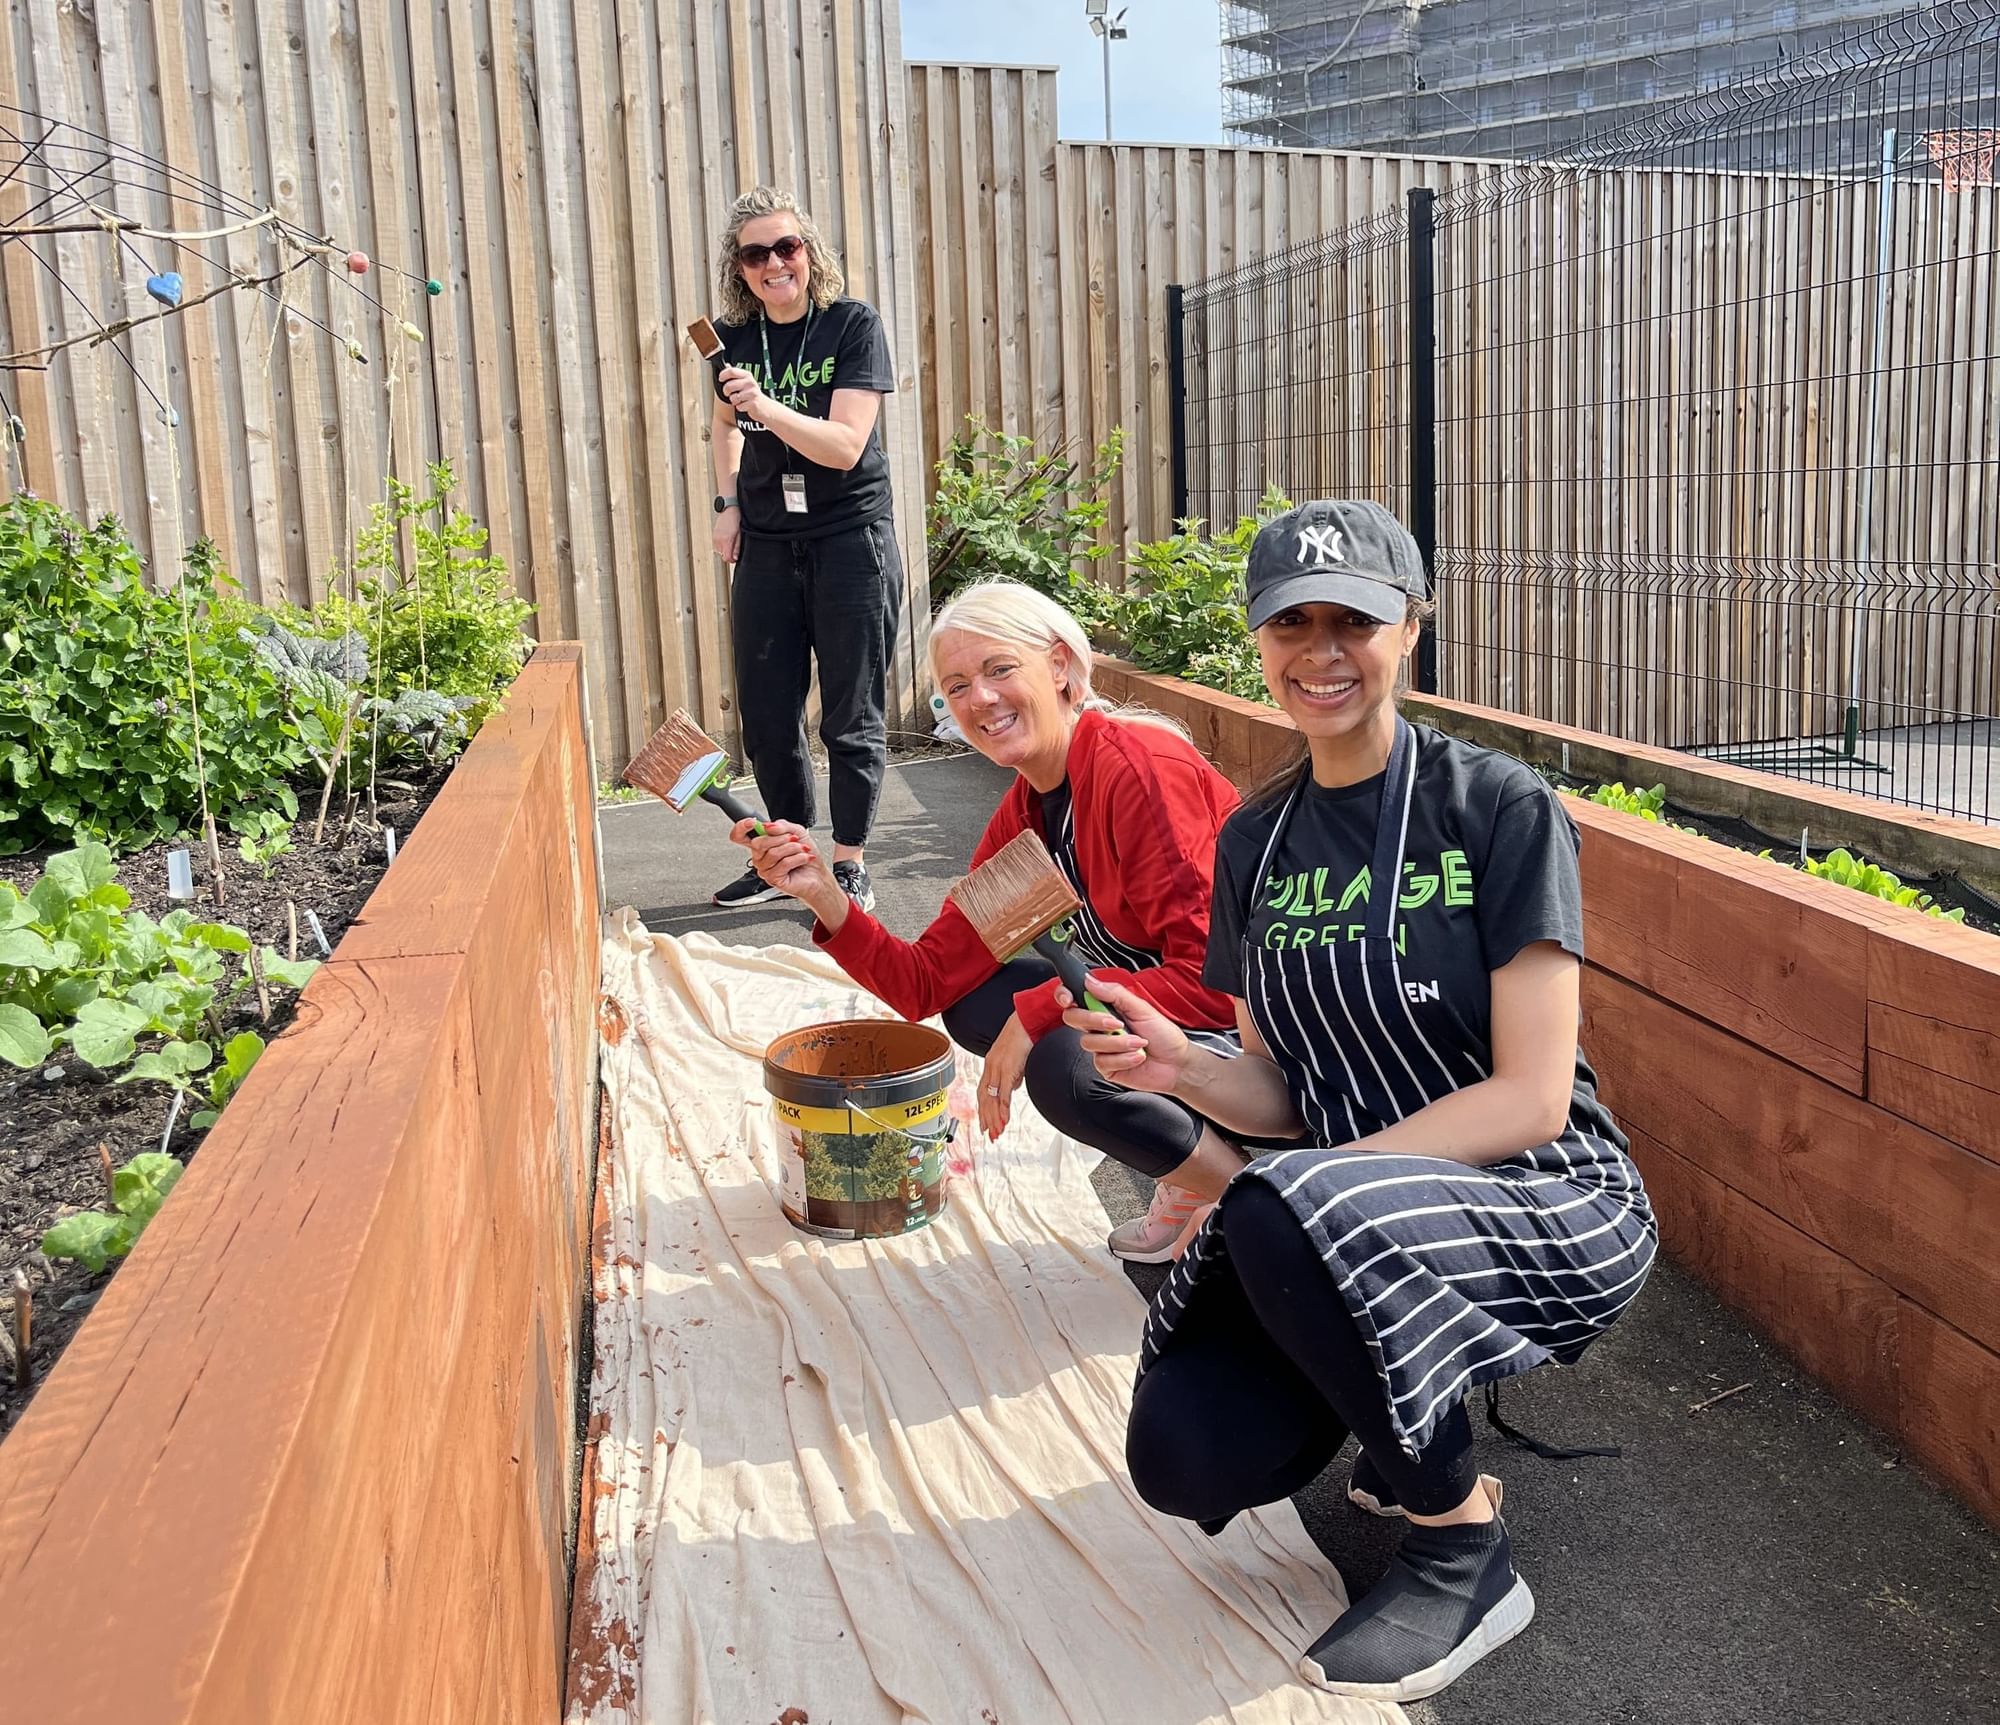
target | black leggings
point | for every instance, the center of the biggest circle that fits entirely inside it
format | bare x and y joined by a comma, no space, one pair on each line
1152,1134
1264,1378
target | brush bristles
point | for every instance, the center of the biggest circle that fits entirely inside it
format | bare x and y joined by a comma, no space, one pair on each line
1015,895
674,747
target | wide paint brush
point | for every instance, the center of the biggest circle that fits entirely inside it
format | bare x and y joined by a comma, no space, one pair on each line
706,342
1017,899
682,762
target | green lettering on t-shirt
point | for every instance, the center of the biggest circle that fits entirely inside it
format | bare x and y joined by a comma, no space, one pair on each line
1357,892
1420,890
1457,877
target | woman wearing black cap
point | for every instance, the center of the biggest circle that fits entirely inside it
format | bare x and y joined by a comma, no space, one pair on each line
1399,919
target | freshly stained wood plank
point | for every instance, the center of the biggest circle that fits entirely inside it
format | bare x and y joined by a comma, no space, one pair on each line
332,1388
1934,1031
1951,1406
1838,1321
1914,1211
1730,936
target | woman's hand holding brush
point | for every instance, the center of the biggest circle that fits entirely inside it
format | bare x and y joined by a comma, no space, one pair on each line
785,857
1148,1051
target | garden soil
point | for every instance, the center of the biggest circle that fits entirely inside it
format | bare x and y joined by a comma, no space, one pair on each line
52,1120
876,1480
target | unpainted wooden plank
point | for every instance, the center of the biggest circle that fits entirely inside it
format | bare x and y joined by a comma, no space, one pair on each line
660,285
538,439
243,321
613,378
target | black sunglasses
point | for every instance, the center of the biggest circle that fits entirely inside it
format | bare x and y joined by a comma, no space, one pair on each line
757,256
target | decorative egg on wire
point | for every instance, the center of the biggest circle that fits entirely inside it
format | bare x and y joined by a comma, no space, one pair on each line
357,263
165,287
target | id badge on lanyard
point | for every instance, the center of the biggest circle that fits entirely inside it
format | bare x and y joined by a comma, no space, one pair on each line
795,493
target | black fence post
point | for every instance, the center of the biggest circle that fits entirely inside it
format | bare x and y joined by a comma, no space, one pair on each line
1177,394
1423,411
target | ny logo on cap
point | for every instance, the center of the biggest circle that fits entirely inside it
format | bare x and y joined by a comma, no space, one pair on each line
1326,541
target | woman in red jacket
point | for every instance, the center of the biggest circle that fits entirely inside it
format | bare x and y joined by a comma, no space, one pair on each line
1130,811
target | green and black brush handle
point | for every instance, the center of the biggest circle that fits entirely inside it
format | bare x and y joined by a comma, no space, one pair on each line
733,806
1056,948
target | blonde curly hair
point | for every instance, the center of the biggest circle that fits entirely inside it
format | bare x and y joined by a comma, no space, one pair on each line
824,278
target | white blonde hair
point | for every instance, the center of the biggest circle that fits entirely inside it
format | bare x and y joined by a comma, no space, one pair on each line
1022,617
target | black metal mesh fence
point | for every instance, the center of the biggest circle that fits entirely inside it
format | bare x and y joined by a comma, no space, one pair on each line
1717,452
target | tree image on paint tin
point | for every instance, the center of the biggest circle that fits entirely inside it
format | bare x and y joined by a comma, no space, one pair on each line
855,1168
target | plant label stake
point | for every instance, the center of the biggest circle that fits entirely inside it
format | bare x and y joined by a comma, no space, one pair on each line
255,960
1565,760
110,1179
24,1326
180,875
1804,855
214,859
292,927
319,934
173,1114
389,844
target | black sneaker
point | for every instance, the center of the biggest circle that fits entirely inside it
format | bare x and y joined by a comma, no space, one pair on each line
747,888
853,880
1450,1598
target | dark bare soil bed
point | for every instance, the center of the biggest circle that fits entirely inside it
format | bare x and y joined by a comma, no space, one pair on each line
53,1120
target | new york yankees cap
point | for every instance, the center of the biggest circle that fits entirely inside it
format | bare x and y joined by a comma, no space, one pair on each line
1337,551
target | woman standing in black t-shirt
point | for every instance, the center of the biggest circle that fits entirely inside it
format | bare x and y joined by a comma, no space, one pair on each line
803,510
1400,921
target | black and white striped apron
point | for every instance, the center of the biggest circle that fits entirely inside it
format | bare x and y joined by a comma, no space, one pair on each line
1455,1275
1100,949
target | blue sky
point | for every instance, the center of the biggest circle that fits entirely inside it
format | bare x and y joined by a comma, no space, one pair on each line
1165,79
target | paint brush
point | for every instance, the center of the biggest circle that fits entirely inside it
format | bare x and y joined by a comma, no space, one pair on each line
682,763
706,342
1017,899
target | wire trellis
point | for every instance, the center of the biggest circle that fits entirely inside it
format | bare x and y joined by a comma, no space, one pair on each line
1717,461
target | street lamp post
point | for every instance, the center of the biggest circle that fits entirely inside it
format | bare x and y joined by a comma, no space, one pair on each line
1107,30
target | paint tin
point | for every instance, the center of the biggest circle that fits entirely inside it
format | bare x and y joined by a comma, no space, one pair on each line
861,1105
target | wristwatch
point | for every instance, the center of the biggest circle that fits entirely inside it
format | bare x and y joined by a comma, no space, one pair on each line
722,503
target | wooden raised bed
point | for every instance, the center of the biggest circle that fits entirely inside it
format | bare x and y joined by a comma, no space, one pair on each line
311,1457
1811,1082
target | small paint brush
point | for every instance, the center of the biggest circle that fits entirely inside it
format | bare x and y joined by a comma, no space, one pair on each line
1017,899
706,342
682,762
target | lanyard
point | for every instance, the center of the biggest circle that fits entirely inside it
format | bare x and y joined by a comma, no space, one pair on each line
771,371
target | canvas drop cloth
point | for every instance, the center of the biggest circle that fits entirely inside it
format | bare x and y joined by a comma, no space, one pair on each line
882,1481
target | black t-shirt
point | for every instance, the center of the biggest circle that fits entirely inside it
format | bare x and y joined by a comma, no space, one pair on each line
1489,867
842,347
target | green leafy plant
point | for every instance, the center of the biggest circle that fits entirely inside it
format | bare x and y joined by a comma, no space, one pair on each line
1003,508
95,1237
79,967
450,622
1181,612
263,848
182,1066
1846,869
97,737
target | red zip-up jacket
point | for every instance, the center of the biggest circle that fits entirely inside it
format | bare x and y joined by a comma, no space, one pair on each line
1147,809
